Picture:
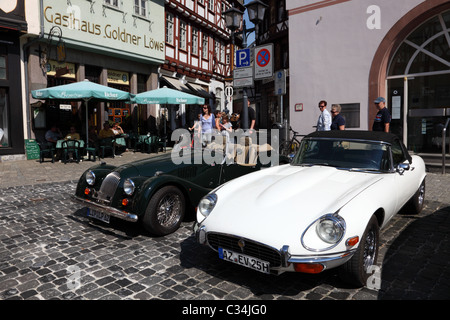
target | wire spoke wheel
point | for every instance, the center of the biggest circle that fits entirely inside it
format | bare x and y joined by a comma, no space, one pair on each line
168,211
165,211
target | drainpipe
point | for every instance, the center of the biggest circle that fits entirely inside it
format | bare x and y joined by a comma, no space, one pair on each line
26,47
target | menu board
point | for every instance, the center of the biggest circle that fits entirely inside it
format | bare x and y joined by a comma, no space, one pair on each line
32,149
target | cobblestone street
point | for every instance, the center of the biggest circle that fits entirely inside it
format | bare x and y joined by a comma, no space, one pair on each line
50,250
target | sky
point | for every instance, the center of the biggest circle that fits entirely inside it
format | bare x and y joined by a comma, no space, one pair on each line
251,37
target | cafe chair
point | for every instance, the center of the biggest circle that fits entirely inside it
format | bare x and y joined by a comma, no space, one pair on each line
46,150
162,143
151,144
92,151
107,144
71,148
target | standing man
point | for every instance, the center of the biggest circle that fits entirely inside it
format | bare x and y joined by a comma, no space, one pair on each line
251,118
324,121
383,118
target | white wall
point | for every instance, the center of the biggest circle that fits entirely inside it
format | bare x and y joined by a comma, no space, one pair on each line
331,52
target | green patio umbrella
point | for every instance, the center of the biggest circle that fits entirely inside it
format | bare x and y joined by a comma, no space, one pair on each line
82,91
166,96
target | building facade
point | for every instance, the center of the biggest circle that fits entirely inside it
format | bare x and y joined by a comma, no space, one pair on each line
12,26
271,106
351,52
114,43
198,55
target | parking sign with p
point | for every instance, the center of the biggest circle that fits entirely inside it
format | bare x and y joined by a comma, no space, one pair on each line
243,58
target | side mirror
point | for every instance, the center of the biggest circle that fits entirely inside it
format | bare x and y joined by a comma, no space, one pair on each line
402,167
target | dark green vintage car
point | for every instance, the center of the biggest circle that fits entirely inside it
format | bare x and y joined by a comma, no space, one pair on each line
157,192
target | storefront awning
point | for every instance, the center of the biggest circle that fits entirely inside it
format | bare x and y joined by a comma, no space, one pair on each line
199,90
176,84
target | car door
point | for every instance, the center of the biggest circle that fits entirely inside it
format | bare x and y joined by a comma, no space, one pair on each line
405,180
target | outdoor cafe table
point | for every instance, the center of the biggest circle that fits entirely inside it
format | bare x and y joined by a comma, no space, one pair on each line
59,143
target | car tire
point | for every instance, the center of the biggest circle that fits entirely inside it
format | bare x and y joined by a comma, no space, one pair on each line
415,204
165,211
357,270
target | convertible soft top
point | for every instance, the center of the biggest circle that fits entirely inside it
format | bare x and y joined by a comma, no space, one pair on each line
355,134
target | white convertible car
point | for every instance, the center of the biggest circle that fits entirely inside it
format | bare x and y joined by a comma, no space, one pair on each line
323,210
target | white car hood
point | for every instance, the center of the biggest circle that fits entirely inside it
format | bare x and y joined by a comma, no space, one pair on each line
276,205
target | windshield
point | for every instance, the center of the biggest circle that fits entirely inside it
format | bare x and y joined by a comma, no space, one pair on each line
344,154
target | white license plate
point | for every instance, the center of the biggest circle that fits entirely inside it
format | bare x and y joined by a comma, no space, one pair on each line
244,260
98,215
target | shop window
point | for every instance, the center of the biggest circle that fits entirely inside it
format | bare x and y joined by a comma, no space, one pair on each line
2,67
351,114
4,126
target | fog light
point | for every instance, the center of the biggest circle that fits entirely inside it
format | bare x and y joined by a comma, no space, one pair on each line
308,267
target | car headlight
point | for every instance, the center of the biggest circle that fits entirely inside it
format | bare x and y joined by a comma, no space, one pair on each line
330,229
325,233
128,187
90,178
207,204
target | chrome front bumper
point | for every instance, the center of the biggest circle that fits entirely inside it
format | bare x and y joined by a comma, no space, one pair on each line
328,261
113,212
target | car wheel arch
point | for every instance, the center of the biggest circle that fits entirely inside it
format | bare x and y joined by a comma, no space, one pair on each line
380,215
152,185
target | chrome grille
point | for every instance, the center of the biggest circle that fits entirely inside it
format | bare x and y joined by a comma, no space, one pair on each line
108,187
251,248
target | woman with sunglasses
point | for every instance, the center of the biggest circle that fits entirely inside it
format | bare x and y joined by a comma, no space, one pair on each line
208,123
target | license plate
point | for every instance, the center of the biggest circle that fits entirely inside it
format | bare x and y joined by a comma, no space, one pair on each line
244,260
98,215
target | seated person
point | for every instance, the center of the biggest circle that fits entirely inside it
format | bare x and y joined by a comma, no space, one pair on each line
72,135
53,135
106,132
117,129
92,136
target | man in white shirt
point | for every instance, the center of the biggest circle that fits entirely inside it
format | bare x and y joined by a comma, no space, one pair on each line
324,121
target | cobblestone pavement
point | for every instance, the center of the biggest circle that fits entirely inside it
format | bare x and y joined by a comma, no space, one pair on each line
50,250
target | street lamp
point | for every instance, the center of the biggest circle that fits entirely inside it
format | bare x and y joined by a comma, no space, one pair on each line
233,17
256,10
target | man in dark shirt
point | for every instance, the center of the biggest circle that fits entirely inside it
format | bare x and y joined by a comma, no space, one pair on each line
383,117
251,118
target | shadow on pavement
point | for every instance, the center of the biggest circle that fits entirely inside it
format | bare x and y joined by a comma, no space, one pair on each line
417,263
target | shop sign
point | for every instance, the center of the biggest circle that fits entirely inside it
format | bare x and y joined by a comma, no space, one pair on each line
95,24
118,77
63,70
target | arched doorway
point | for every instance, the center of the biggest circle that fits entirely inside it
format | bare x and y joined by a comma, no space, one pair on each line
408,68
418,85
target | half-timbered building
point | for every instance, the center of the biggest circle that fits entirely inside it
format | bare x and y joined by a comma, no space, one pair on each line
198,54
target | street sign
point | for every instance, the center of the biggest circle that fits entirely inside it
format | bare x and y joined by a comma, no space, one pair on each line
243,77
243,83
280,82
243,73
243,58
228,92
264,61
